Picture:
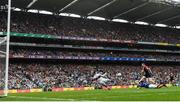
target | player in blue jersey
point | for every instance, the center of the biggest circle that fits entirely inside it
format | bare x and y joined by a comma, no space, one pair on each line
143,84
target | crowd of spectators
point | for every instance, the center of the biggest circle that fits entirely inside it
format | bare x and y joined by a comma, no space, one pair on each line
27,76
77,27
29,52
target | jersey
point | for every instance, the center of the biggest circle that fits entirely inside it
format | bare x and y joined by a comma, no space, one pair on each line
171,77
101,78
97,76
147,85
144,84
147,73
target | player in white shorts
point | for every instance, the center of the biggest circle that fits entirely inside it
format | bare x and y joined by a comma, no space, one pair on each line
101,79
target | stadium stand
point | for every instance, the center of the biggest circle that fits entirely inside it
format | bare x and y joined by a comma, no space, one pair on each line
28,76
128,48
75,27
25,52
34,75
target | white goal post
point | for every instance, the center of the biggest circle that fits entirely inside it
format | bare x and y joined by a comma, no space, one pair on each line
4,56
7,47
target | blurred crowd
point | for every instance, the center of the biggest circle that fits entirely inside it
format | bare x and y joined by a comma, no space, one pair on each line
78,27
29,52
26,76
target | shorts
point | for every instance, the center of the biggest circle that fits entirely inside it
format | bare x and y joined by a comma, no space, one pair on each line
148,75
152,86
171,79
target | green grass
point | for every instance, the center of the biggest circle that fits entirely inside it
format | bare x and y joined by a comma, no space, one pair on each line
164,94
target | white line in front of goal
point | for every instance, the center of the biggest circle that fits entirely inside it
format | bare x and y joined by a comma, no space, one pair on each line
43,98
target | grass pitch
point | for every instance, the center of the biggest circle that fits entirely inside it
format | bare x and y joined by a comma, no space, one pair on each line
164,94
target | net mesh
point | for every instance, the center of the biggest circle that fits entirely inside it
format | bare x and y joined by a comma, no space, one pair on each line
2,64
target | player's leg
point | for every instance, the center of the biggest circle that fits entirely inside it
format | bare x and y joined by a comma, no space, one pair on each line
104,85
150,80
172,82
143,77
161,85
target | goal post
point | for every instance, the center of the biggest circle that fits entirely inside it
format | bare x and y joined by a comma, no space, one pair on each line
4,55
7,48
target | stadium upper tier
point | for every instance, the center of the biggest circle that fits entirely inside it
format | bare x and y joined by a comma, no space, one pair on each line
31,52
77,27
92,48
148,11
28,76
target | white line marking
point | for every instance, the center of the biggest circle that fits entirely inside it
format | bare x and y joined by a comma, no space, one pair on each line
43,98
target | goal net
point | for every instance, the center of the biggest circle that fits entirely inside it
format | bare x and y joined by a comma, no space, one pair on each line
2,65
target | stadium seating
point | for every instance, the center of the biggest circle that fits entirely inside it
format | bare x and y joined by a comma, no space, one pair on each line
34,75
66,26
28,76
24,52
